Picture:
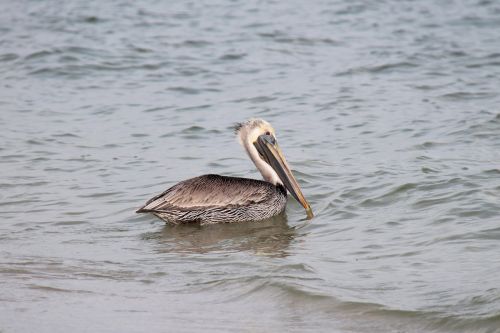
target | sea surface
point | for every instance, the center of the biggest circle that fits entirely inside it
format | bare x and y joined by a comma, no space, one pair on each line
387,111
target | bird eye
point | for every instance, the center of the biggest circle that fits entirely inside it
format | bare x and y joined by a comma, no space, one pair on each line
268,133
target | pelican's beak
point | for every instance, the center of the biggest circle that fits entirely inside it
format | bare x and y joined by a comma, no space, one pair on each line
270,151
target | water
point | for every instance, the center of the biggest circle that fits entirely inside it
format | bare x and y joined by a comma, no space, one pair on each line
388,112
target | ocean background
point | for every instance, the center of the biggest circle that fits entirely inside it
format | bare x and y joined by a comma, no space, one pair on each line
387,111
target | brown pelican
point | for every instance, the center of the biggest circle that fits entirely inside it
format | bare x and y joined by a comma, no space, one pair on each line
213,198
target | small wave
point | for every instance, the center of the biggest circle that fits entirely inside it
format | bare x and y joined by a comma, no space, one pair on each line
285,38
91,19
194,43
71,69
57,289
185,90
384,68
6,57
428,145
233,56
19,202
65,135
161,108
394,194
255,99
465,95
442,199
193,129
41,54
35,183
99,195
139,135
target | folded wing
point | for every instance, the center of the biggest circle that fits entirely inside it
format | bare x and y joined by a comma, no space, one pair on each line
210,191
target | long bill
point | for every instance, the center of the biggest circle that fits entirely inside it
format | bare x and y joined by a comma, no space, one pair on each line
268,147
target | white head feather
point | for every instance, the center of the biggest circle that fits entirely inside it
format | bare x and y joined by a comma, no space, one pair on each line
247,134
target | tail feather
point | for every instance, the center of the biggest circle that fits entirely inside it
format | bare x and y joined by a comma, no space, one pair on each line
143,210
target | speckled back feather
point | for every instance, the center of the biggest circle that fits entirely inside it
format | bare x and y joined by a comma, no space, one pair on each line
213,199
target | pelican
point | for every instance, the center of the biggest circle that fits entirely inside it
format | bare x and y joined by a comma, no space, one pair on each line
211,199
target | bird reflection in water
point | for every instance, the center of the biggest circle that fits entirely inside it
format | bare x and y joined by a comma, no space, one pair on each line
271,237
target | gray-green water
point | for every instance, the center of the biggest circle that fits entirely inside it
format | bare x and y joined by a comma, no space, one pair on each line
388,112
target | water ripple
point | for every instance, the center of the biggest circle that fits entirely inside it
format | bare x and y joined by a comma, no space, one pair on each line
386,111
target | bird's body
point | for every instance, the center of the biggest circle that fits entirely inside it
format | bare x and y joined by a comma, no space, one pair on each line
213,199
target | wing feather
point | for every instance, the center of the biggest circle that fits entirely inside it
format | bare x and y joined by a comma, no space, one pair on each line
210,191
